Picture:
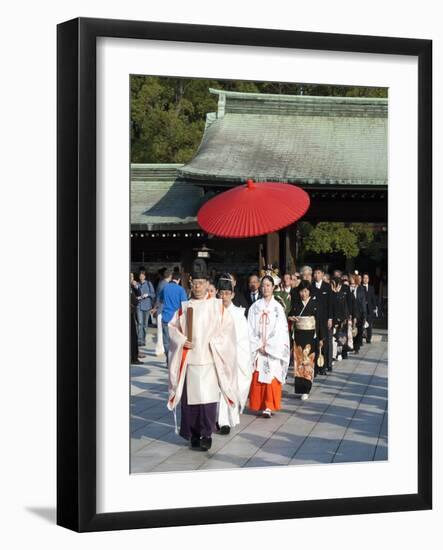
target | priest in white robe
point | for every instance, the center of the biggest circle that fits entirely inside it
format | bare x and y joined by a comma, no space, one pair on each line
202,363
227,416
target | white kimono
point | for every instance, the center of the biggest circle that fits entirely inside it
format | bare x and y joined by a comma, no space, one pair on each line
228,416
209,367
268,328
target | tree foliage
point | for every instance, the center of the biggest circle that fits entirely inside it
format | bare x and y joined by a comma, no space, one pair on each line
168,114
336,237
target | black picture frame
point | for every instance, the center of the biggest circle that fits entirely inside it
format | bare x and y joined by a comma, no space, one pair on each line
76,251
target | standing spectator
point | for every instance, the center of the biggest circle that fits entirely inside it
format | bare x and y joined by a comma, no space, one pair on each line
286,292
158,308
295,279
171,296
371,310
253,293
144,306
286,284
359,310
134,294
306,273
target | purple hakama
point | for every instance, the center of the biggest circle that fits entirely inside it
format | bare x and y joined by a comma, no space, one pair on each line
197,420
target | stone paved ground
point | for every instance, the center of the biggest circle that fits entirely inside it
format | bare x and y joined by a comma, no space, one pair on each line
344,420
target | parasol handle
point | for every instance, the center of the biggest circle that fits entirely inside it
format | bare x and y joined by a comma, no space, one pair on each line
189,318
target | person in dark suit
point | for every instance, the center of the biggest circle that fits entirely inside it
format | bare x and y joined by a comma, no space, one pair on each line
134,295
359,308
371,308
346,290
341,315
321,291
286,283
253,292
306,273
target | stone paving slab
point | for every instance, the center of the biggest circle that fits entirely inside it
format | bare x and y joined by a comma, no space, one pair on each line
344,420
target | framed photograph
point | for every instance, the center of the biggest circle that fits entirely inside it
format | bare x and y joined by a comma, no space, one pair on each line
244,274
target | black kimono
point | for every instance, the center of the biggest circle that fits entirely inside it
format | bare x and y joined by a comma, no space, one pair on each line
304,345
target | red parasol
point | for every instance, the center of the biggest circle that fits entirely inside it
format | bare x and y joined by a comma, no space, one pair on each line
253,209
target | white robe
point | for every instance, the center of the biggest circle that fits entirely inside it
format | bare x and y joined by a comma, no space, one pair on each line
228,416
268,328
159,348
209,366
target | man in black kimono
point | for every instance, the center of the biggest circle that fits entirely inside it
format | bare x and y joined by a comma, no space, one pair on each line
322,293
371,309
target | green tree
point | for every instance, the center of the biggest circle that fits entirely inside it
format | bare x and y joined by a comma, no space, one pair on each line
168,118
336,237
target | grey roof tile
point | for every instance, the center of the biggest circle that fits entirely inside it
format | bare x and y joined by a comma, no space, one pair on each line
299,139
303,149
159,201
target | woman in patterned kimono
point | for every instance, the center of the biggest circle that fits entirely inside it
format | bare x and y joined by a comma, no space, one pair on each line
305,326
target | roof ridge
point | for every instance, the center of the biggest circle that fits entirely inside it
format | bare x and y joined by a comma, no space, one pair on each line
298,98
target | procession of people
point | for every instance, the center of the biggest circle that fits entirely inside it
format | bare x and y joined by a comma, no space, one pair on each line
227,350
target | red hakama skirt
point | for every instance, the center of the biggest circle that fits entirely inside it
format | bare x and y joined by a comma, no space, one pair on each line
264,396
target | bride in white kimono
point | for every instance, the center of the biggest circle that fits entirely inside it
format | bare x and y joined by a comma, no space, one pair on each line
269,346
228,417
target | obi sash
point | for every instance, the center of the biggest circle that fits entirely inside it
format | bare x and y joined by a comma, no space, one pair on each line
305,323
